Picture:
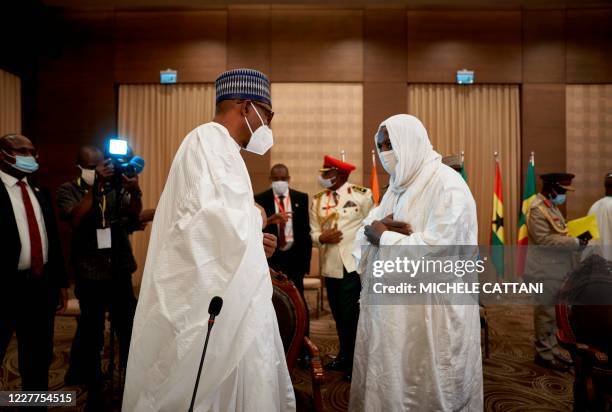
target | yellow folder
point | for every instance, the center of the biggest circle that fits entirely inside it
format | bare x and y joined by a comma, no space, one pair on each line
579,226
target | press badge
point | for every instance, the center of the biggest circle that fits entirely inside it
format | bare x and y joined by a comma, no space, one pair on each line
104,238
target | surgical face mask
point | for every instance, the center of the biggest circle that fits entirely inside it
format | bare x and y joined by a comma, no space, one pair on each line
261,139
559,199
326,183
88,175
280,187
25,164
389,161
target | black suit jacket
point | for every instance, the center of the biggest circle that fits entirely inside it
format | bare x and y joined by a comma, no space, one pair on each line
297,259
10,243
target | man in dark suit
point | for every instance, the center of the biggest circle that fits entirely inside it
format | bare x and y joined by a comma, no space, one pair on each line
287,212
33,281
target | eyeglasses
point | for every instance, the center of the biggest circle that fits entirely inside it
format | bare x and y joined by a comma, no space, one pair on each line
267,112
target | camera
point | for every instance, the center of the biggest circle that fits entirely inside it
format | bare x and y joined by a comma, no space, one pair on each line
124,162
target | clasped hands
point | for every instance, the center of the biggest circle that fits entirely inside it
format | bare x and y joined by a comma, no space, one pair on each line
374,230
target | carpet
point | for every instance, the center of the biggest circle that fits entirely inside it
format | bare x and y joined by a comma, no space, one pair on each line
512,382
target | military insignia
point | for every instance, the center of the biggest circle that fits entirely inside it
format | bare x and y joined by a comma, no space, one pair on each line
321,193
350,203
360,189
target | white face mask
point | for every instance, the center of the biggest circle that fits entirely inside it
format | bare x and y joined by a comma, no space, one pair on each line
388,161
261,139
326,183
280,187
88,175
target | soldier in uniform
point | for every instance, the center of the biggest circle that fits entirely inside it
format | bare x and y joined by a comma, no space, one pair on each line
549,259
335,217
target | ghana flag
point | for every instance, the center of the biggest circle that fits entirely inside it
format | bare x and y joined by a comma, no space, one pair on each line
497,223
529,193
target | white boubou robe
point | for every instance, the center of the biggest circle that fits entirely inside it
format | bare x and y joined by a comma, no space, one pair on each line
206,241
418,357
602,209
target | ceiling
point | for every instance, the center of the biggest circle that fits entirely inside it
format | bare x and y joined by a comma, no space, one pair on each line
429,4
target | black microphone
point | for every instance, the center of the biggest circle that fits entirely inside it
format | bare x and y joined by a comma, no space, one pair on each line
213,310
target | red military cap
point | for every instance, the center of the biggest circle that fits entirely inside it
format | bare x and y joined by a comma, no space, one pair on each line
330,163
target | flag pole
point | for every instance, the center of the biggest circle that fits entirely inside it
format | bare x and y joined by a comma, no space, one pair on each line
342,155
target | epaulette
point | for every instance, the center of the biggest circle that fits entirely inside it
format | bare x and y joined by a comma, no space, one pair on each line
535,203
360,189
321,193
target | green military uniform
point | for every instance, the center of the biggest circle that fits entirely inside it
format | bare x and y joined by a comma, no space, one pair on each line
343,208
549,259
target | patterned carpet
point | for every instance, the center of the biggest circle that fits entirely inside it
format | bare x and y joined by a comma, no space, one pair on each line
511,381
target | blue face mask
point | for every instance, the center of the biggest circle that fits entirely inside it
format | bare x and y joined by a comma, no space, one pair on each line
25,164
559,199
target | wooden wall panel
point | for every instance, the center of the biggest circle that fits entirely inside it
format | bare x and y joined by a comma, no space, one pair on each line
442,42
316,45
248,38
589,46
194,43
544,46
380,101
75,99
384,43
543,120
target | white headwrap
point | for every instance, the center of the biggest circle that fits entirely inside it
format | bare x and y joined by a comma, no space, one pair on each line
417,164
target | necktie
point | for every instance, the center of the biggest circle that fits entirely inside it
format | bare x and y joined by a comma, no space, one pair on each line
36,261
282,242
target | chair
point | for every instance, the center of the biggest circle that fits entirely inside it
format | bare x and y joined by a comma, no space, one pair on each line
292,322
313,280
593,370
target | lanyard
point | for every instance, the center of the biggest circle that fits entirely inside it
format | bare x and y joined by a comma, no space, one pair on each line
101,205
103,210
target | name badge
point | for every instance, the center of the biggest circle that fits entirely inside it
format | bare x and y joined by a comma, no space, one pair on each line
104,238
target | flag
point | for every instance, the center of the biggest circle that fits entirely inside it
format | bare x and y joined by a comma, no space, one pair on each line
463,172
374,181
497,223
529,193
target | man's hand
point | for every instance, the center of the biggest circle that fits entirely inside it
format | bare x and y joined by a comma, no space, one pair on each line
63,301
105,170
130,184
330,236
397,226
269,243
374,231
281,217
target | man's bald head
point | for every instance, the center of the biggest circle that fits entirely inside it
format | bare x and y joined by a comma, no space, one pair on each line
89,157
14,140
279,172
12,145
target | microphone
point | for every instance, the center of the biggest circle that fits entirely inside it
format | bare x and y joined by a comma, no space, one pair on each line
213,310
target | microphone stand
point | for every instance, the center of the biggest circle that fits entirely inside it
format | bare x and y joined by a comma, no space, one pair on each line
211,322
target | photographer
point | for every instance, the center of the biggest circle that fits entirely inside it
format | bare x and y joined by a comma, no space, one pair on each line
103,207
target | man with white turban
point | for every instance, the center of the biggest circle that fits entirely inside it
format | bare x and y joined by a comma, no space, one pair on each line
207,241
416,357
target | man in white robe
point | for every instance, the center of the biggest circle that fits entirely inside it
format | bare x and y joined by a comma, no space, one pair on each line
416,357
207,241
602,209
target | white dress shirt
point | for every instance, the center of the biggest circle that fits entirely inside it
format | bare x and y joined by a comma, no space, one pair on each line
289,224
14,192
